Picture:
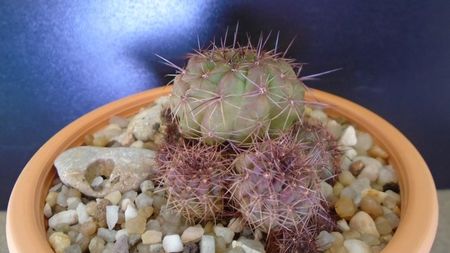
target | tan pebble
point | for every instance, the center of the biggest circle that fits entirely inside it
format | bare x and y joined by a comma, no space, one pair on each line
345,208
88,228
351,234
346,178
209,228
121,219
386,238
136,225
384,227
100,141
89,139
338,239
72,192
151,237
376,151
371,206
356,167
59,241
342,225
370,240
192,234
147,211
51,198
100,212
377,248
379,196
96,245
220,244
363,223
91,208
114,197
236,224
337,188
356,246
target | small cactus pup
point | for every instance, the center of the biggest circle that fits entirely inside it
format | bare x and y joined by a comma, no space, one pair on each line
276,187
236,93
193,175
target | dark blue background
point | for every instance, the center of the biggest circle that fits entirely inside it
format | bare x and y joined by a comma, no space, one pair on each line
61,59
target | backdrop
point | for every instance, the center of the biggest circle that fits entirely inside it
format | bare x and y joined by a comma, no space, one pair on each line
61,59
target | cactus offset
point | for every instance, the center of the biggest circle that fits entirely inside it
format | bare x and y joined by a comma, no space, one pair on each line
236,93
193,175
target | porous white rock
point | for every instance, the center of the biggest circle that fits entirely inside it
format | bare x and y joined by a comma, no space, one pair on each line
68,217
172,243
124,168
146,123
147,185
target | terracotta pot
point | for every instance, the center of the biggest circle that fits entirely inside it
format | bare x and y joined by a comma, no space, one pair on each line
26,227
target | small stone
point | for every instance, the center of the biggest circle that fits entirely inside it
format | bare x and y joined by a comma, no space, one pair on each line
236,224
130,195
387,175
384,227
151,237
348,192
61,199
130,213
88,228
112,216
327,190
207,244
96,245
133,239
348,137
59,241
356,246
192,234
334,128
172,243
364,142
220,244
337,188
343,225
356,167
72,203
47,210
143,200
106,234
391,186
257,235
209,228
136,225
377,151
393,219
120,233
370,172
319,115
137,144
121,245
392,199
82,213
345,208
226,233
370,240
74,248
91,208
370,205
363,223
100,212
97,182
324,241
249,246
51,198
346,178
191,248
68,217
235,250
375,194
156,248
114,197
142,125
147,185
56,187
351,234
153,224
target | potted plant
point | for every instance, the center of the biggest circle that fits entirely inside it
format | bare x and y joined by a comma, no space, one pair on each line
26,225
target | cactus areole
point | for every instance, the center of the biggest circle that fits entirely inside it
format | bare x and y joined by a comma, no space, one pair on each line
236,94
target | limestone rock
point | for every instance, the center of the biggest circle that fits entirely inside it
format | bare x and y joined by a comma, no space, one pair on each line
172,243
146,123
124,168
207,244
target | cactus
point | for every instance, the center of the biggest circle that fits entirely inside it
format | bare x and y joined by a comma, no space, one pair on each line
236,93
193,175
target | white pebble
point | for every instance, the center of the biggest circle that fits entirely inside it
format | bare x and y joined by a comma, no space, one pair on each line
130,213
56,187
207,244
120,233
147,185
334,128
59,241
348,137
324,240
68,217
249,246
96,182
82,213
387,175
156,248
326,189
143,200
192,234
343,225
112,216
356,246
72,203
364,224
319,115
114,197
47,210
172,243
124,204
364,142
226,233
106,234
130,195
62,197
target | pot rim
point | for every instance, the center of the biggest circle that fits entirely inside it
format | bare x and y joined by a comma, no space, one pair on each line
419,210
